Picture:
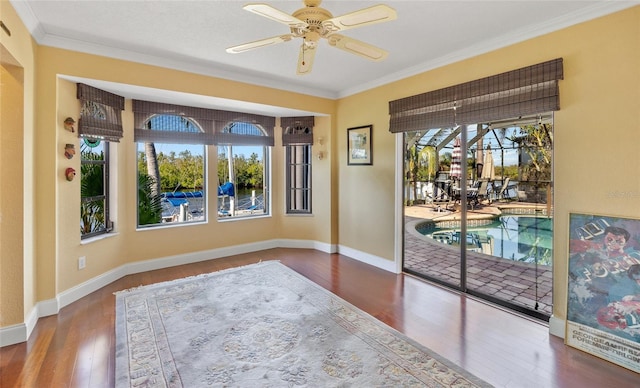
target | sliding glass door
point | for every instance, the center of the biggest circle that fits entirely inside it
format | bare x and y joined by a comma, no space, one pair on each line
478,210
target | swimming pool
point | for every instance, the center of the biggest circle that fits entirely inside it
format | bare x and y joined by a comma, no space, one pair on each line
514,237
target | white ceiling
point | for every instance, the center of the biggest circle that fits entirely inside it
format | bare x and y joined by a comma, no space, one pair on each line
193,35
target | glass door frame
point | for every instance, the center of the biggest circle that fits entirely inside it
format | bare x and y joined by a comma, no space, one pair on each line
401,145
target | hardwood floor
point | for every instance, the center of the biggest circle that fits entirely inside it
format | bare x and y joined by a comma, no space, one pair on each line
76,347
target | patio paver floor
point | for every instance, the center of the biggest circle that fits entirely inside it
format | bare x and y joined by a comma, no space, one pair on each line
509,280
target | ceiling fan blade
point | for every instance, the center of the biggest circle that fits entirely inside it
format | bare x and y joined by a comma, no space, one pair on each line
305,59
259,43
274,14
364,17
357,47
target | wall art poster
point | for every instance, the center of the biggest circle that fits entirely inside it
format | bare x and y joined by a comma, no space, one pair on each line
603,304
359,146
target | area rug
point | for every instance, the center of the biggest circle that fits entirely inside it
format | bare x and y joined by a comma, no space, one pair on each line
264,325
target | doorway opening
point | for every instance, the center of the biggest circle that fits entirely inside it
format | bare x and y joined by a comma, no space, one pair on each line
478,210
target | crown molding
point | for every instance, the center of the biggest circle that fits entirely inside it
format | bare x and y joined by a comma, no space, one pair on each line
555,24
40,35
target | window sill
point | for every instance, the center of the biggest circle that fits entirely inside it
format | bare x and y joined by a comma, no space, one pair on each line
248,217
104,236
169,225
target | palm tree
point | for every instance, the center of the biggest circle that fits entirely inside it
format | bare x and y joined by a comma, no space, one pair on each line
149,202
151,156
152,167
412,158
152,164
92,213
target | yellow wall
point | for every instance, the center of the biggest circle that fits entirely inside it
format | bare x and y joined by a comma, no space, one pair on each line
17,239
366,196
596,131
297,227
11,166
59,213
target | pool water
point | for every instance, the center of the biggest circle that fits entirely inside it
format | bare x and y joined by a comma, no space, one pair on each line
514,237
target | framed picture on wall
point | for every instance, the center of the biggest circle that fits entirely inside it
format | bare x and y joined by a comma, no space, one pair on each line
603,302
359,146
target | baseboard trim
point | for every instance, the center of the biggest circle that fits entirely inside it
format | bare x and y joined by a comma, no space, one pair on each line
13,334
557,326
376,261
21,332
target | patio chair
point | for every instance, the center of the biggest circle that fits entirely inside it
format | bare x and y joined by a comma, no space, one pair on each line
443,204
442,198
475,197
503,193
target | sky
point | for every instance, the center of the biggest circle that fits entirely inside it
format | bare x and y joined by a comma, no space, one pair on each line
197,149
178,123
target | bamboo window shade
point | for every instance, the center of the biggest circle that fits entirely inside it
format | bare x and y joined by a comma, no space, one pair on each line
529,90
100,115
297,130
208,126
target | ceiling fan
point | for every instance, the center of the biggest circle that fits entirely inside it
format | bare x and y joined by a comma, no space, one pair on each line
312,23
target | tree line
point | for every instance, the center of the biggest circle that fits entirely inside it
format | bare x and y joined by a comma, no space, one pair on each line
249,172
185,171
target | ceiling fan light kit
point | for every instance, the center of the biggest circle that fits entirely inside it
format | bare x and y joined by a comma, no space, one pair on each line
312,23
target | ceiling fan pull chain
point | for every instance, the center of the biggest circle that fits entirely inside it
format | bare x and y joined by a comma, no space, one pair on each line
304,44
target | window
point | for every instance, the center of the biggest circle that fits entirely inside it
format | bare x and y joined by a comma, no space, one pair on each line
171,176
100,123
94,188
175,178
243,174
298,179
297,137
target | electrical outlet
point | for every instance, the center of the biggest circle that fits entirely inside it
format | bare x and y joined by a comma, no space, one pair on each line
82,262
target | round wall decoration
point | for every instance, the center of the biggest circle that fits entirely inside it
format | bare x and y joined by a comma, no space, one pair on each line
92,142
